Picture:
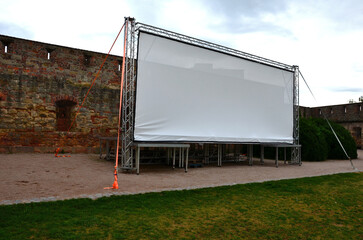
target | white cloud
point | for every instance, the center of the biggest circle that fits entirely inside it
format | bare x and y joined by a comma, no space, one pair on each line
323,38
82,24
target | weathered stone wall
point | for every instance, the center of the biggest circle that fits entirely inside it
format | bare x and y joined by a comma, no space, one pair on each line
35,77
349,116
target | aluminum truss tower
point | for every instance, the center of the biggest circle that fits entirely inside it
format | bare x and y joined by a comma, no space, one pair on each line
296,151
128,96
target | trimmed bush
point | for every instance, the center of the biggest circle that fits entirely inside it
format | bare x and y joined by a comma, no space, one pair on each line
334,149
314,146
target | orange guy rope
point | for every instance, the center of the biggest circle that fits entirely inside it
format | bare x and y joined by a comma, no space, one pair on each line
115,183
94,80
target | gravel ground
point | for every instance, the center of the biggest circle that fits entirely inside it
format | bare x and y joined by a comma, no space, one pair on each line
42,177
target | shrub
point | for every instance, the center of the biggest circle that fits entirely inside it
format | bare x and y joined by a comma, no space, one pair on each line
314,146
334,149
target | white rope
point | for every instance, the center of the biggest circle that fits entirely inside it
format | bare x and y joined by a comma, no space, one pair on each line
336,136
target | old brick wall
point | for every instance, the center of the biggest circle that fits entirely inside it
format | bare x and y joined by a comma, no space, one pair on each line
38,80
349,115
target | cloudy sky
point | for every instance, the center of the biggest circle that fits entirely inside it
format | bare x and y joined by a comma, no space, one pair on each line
324,38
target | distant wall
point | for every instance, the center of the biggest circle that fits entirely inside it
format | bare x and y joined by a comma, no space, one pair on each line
41,87
349,115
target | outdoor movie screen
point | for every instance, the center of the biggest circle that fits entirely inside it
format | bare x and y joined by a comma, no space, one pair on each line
186,93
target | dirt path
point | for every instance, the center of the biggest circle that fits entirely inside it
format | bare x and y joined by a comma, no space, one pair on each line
42,177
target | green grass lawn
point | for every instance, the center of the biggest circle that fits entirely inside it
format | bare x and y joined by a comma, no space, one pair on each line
327,207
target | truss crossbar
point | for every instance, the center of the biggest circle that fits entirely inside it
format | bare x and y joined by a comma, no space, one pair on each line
212,46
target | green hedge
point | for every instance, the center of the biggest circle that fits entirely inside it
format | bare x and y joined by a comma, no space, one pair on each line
319,143
335,150
312,140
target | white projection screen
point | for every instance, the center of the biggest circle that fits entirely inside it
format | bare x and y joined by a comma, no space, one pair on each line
186,93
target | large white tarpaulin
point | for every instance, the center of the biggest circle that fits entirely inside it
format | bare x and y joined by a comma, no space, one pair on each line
188,93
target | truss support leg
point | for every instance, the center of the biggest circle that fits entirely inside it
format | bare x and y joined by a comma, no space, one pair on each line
183,156
284,155
186,160
174,158
262,160
137,160
206,153
219,161
250,154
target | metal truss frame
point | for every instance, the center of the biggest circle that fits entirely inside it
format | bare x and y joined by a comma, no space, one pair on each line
128,103
209,45
296,151
128,96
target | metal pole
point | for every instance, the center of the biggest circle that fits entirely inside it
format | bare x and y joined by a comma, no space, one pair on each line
180,156
186,160
284,155
219,160
137,160
173,158
250,154
108,149
100,148
168,157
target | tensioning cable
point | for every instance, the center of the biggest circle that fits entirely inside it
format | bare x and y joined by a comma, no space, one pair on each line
331,128
84,99
115,183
